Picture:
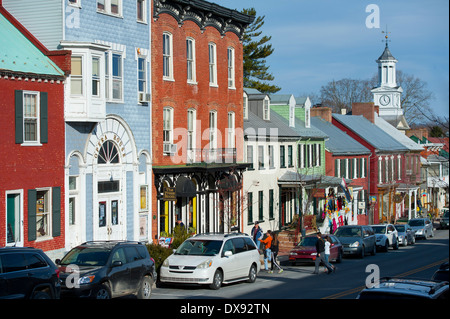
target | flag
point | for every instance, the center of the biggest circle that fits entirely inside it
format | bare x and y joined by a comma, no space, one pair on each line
344,188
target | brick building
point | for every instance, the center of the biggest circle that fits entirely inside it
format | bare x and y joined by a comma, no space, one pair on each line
32,140
197,111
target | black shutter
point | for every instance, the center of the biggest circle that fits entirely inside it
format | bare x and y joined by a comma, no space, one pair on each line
56,211
32,214
44,117
19,116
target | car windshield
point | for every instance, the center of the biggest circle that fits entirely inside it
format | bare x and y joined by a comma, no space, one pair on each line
416,222
379,229
86,256
400,228
348,232
199,247
308,241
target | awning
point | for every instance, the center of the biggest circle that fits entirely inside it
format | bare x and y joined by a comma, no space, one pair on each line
229,183
185,187
294,179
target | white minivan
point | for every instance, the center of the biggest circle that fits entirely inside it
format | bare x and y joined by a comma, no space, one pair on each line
213,259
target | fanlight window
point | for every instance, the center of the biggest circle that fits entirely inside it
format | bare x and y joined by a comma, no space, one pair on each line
108,154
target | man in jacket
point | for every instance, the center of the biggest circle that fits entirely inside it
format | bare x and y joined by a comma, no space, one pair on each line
257,233
320,248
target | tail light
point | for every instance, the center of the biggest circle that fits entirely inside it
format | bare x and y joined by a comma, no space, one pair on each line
57,272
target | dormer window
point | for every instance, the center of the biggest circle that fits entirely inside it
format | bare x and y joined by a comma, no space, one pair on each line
266,109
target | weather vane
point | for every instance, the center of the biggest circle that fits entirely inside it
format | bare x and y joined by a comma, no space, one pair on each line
386,36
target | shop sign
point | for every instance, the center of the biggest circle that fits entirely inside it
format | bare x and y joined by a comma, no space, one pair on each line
169,194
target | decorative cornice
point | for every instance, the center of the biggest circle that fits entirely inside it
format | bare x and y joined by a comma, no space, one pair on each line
204,14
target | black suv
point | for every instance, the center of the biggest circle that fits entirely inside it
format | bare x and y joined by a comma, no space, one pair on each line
27,273
107,269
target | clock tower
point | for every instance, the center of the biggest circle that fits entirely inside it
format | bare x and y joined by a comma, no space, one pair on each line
387,95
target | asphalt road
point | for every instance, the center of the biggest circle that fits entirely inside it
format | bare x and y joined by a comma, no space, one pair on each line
298,282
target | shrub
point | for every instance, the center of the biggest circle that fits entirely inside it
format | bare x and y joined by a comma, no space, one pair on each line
159,254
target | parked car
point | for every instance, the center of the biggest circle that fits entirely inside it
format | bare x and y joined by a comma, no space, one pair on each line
400,288
305,251
387,236
406,235
422,226
107,269
444,219
213,259
28,273
357,240
442,273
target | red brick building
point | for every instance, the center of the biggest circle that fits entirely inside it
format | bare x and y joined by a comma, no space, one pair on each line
197,111
32,139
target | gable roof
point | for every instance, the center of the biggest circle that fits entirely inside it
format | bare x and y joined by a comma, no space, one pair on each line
371,133
339,142
396,134
254,123
19,55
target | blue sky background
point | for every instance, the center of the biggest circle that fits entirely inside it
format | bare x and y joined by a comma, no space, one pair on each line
317,41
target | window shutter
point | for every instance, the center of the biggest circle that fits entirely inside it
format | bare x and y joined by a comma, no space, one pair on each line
44,117
19,116
32,214
336,167
56,211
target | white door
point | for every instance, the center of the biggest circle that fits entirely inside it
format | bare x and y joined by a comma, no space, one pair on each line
109,219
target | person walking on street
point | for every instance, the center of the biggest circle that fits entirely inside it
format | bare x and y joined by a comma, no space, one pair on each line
274,248
320,248
268,251
327,251
257,233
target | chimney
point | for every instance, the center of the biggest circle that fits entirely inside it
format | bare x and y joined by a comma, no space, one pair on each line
323,112
365,109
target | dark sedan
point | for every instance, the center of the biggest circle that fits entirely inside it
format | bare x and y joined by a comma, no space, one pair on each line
306,252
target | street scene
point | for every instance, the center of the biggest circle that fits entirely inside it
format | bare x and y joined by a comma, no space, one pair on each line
224,150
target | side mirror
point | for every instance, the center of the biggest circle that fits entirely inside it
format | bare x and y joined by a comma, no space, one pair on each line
228,253
117,263
58,261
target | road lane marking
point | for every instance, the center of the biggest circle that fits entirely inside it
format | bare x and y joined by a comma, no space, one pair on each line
405,274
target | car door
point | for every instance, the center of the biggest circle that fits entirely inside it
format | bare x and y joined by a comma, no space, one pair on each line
119,273
368,238
242,260
18,285
228,263
135,265
334,249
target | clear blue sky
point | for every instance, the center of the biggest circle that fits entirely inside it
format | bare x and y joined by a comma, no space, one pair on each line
317,41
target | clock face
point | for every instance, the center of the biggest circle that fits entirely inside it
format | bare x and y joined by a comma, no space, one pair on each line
384,100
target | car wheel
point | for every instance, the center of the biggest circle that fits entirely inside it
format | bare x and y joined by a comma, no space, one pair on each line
374,250
41,295
363,252
217,280
252,274
386,246
145,290
102,292
396,244
339,258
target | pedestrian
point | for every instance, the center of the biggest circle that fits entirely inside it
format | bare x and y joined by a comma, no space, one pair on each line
328,251
268,252
275,248
257,233
320,257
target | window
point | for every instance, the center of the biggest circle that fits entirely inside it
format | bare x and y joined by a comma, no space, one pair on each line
271,157
73,192
230,55
31,117
167,128
108,153
270,203
112,7
117,76
245,98
190,57
76,76
43,213
290,156
75,3
143,198
142,75
212,65
167,56
231,136
250,208
141,8
95,76
212,129
260,205
266,110
282,157
250,155
192,114
260,157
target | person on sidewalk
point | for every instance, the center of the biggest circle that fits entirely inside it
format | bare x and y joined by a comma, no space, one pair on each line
275,248
257,233
268,252
328,252
320,248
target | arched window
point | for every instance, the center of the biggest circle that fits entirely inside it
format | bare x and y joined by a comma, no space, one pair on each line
108,154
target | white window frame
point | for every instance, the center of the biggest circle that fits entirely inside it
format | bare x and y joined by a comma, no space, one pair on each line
191,129
144,11
48,213
266,109
96,77
145,71
231,68
212,59
245,105
167,126
36,117
77,77
191,61
107,7
167,56
75,3
213,130
110,78
231,141
399,159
